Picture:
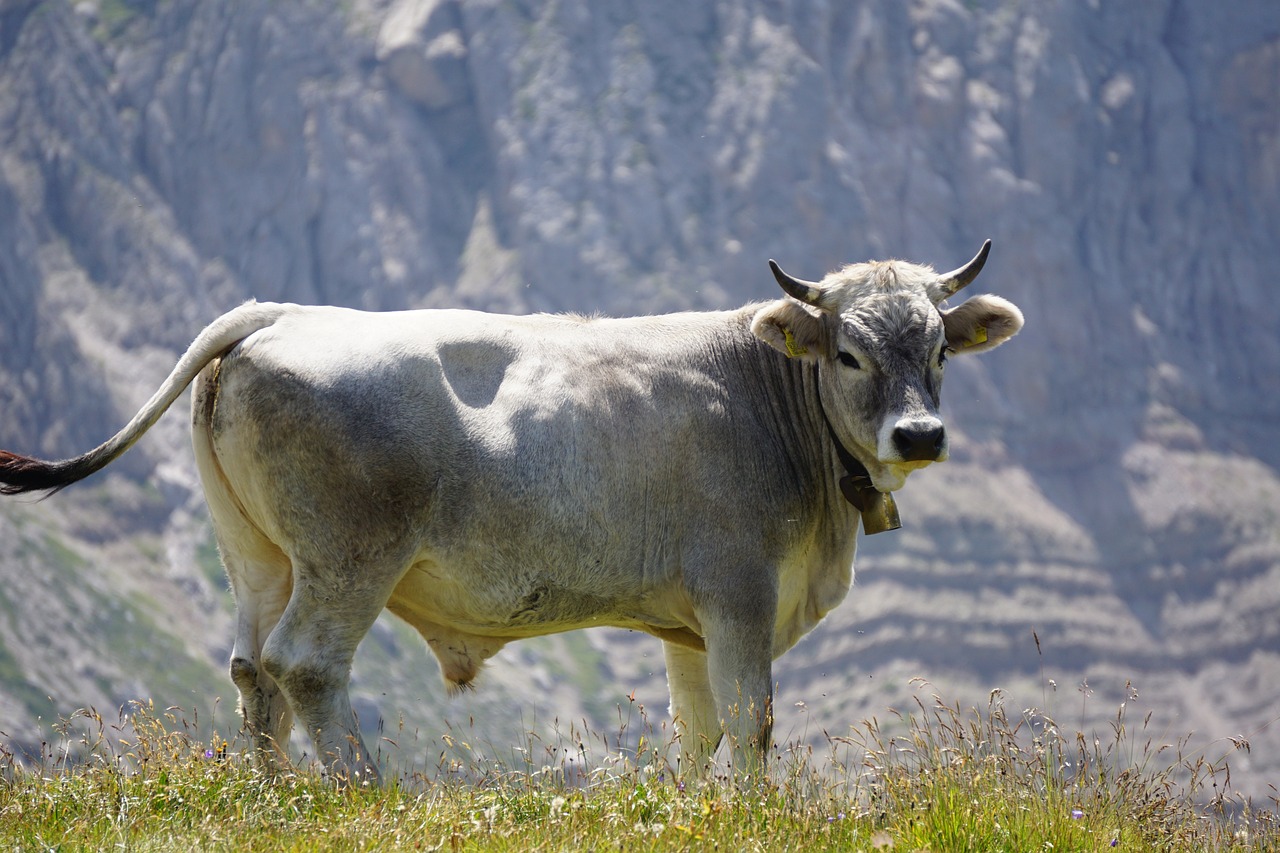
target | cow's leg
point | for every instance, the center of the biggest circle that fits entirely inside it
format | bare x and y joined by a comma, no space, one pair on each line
261,591
739,663
309,655
693,707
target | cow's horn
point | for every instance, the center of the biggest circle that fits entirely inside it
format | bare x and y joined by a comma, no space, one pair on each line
806,291
951,283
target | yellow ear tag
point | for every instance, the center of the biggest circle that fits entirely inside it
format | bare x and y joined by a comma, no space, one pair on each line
979,337
794,350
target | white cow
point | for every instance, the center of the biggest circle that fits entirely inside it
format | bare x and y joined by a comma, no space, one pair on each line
697,476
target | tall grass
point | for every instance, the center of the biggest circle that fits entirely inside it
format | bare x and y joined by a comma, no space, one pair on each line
935,778
988,780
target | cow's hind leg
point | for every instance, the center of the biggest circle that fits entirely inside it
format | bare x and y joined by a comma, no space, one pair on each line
310,650
693,707
261,591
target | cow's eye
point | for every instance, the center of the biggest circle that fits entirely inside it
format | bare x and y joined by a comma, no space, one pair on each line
942,355
847,360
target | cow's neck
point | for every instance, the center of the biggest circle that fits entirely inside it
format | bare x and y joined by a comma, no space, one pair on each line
879,510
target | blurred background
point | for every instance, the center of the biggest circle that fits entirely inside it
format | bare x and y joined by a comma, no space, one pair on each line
1109,516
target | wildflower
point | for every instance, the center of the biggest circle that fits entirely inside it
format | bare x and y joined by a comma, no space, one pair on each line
1076,814
208,753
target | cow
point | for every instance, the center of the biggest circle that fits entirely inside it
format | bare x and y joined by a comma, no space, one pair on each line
698,476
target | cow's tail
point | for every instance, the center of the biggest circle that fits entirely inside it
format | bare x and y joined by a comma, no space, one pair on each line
19,474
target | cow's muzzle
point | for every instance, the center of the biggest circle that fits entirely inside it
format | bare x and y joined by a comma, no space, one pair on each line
920,441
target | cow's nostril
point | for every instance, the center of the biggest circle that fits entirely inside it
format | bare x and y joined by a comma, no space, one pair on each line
919,442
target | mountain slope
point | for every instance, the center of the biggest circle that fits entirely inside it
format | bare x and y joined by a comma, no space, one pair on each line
1113,486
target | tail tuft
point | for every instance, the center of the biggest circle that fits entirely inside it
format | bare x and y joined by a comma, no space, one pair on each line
22,474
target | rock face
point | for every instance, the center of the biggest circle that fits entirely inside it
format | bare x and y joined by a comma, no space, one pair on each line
1113,486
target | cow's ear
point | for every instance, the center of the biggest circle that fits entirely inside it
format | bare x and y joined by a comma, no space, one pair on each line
790,328
981,323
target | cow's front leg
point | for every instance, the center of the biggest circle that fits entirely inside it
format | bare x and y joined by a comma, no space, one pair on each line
740,666
693,707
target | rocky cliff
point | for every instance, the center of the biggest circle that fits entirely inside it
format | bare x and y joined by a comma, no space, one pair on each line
1113,486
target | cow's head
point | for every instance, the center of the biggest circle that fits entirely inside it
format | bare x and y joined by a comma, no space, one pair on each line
880,341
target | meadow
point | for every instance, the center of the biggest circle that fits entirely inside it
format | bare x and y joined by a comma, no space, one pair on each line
938,778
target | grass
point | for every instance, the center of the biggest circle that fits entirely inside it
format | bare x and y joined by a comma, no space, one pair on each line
975,780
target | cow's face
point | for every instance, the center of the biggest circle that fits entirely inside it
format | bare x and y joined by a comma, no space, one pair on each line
880,343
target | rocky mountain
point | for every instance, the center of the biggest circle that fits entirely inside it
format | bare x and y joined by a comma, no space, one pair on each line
1110,513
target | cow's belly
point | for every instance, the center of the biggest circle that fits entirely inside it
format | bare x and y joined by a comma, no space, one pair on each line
467,616
511,603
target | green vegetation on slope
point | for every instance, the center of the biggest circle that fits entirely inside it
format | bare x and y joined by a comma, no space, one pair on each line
954,780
